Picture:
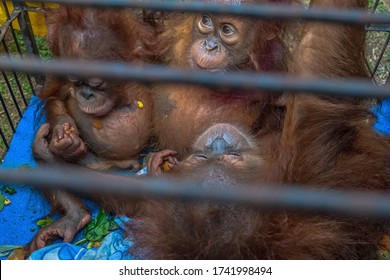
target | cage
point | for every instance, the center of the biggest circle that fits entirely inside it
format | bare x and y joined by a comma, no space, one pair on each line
22,34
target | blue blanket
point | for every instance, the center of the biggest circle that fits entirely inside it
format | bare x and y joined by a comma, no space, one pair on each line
18,219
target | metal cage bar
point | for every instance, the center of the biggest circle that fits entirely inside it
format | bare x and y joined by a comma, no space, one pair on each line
4,139
161,74
28,37
18,85
373,69
299,198
381,54
10,123
12,17
268,12
12,94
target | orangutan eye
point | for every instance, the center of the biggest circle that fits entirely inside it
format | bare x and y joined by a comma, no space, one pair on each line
200,155
236,154
95,82
73,79
227,30
206,21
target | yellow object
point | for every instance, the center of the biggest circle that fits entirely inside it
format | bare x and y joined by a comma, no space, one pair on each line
7,201
97,125
140,104
37,19
165,166
69,131
96,244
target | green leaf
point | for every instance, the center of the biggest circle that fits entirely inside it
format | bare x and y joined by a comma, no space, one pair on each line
89,245
99,227
44,222
2,200
112,225
80,241
9,190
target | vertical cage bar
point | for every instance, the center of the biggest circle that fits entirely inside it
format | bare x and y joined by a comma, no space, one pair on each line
5,107
18,48
9,84
17,82
373,71
28,36
11,93
375,6
4,139
6,9
381,54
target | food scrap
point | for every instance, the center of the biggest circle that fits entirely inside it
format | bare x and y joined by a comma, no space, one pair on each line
96,244
69,131
97,125
165,166
140,104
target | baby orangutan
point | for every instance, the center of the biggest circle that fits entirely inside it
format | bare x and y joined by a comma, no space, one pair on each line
111,119
225,157
97,123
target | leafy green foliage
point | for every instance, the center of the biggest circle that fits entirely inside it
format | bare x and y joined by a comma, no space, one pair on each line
43,49
381,8
97,229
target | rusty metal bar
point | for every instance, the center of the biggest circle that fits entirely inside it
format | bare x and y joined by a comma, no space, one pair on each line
28,35
300,198
268,12
158,74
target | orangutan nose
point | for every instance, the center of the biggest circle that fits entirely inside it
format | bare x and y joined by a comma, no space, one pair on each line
87,92
219,146
212,44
